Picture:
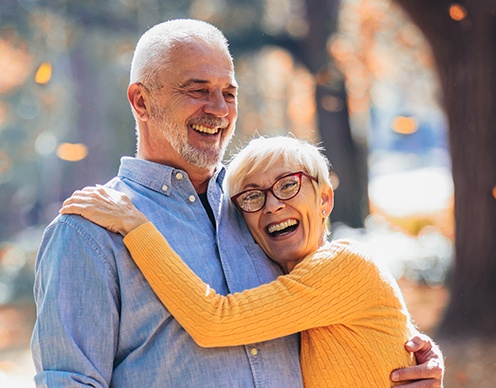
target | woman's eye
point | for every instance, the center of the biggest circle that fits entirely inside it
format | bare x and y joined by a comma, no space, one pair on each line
251,197
288,185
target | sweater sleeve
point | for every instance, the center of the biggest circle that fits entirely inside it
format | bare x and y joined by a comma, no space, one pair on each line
303,299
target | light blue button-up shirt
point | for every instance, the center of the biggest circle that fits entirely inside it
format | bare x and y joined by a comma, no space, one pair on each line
99,322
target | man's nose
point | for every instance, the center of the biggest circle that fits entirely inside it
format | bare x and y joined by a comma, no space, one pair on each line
216,104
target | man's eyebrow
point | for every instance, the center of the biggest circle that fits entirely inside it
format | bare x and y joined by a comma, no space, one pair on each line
195,81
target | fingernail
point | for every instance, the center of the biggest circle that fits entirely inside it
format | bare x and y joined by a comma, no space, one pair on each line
394,376
412,344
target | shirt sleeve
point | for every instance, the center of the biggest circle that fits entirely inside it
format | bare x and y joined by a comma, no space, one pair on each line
73,342
312,295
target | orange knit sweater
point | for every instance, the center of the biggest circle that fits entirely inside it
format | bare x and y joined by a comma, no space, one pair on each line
351,313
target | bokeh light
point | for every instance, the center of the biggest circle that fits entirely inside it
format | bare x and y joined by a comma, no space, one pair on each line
5,162
72,152
44,73
45,144
404,125
457,12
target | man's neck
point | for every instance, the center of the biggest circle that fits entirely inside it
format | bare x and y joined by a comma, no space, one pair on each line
200,181
198,176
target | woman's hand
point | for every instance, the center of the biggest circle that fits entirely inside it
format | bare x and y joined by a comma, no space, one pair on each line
106,207
430,369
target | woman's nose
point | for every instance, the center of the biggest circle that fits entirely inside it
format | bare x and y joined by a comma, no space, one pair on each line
272,203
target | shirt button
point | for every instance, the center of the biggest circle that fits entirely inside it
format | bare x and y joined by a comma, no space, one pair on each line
179,176
165,187
192,198
254,352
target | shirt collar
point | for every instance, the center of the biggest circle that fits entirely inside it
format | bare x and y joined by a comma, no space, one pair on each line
155,175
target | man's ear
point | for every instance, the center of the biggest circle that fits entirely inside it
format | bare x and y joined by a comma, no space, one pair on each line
138,98
327,203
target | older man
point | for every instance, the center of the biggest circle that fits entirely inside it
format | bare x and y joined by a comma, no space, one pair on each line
99,323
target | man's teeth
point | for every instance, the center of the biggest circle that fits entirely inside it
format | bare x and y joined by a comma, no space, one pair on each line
281,226
201,128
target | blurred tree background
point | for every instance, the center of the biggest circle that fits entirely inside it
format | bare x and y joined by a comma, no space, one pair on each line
464,49
376,82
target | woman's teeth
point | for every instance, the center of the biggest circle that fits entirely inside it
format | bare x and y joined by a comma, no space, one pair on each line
283,225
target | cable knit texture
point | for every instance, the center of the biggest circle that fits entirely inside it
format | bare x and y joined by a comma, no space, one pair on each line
351,313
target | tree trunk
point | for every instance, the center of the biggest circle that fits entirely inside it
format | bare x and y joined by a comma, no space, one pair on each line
347,157
465,53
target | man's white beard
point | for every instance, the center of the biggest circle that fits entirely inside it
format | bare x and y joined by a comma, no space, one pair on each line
207,157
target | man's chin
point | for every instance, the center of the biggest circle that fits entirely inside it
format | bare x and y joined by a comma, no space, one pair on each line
207,159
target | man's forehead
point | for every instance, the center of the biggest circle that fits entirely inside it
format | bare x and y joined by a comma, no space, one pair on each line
204,72
201,63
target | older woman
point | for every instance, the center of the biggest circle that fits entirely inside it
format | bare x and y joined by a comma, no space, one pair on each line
350,311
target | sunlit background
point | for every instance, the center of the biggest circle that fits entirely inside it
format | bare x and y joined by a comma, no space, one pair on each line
65,123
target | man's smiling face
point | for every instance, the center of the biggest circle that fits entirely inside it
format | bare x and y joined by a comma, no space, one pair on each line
195,104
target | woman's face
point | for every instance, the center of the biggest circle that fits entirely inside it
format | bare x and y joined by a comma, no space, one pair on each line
288,230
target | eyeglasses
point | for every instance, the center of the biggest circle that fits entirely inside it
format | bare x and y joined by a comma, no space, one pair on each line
285,188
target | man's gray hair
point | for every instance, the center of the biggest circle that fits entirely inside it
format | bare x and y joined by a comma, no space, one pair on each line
152,48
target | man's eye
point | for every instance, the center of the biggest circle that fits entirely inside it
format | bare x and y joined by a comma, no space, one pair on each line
199,92
230,97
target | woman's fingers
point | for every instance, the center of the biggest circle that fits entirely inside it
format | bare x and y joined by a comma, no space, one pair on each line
106,207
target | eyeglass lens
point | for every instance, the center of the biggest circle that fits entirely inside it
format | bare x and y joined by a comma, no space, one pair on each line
283,189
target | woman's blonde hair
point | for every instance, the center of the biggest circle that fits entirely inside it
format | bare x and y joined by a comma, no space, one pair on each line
261,153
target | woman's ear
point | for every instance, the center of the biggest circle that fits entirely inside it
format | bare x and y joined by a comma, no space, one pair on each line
327,198
138,98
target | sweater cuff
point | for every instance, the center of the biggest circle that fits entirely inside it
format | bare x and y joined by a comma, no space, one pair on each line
140,233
